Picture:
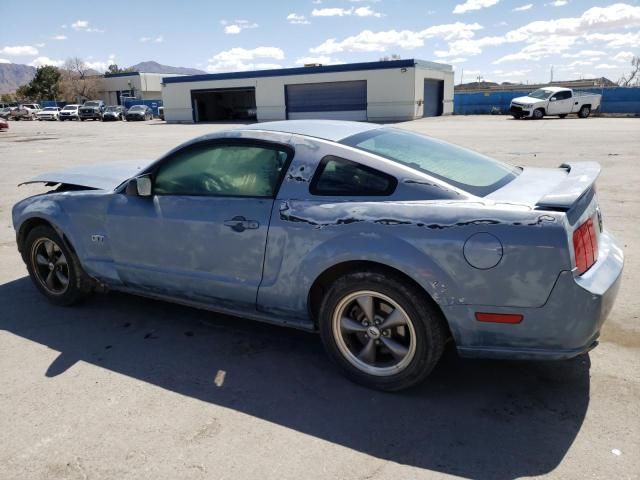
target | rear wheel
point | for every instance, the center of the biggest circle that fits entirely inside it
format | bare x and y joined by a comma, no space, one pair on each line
584,112
380,331
54,269
538,114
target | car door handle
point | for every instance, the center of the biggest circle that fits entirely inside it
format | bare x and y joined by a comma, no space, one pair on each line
240,224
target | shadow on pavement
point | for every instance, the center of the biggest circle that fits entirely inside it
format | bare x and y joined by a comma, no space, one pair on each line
476,419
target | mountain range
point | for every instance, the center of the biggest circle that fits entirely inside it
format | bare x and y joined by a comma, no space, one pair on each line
13,75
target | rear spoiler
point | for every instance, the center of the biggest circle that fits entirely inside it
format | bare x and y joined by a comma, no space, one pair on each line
578,182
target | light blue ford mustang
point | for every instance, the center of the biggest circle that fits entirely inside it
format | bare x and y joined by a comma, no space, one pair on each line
389,243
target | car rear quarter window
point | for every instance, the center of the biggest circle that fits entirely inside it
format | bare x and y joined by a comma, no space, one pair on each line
339,176
459,167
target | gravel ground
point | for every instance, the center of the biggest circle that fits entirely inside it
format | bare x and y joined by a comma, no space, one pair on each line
128,388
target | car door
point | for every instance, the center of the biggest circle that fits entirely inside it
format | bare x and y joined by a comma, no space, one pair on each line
202,233
560,103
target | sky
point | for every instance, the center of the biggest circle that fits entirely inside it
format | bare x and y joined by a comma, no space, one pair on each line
497,40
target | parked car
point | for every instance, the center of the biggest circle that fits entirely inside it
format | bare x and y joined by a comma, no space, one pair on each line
139,112
25,111
48,113
70,112
389,243
113,112
4,125
6,111
91,109
554,101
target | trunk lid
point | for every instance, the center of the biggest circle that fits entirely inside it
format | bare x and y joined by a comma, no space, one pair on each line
568,188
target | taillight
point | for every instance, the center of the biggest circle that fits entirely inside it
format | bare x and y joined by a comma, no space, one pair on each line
585,246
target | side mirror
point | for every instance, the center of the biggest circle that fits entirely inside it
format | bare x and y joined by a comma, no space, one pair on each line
553,99
139,186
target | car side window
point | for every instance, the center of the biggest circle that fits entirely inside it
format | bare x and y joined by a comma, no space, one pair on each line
338,176
222,170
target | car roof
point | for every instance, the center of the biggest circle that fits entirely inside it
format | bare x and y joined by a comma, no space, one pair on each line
332,130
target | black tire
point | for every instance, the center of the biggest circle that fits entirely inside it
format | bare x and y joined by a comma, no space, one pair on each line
517,117
423,321
82,119
78,284
584,112
564,115
538,114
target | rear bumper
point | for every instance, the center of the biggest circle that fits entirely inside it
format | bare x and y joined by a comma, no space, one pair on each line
567,325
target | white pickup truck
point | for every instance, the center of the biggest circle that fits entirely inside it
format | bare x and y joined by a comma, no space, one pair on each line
554,101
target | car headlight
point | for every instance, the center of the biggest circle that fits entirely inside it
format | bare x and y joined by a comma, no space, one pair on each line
528,105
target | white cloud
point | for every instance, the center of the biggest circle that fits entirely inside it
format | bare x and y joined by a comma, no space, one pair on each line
539,49
4,60
469,46
19,50
606,66
578,63
584,53
368,41
528,6
101,66
452,60
297,19
41,61
240,59
615,40
323,59
40,45
366,12
59,37
83,26
559,3
158,39
344,12
237,26
470,5
624,57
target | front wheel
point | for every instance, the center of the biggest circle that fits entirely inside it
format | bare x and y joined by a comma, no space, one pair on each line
538,114
54,269
584,112
380,331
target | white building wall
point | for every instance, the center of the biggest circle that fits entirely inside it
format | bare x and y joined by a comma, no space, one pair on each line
420,76
392,94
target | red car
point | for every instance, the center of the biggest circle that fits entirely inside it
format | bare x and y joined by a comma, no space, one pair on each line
4,125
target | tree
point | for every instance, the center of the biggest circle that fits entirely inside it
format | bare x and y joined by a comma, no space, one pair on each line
114,68
78,83
45,85
8,98
24,93
628,80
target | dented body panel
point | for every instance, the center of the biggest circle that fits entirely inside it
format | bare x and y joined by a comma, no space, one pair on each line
507,252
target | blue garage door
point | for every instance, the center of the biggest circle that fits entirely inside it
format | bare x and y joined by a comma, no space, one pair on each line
433,97
332,100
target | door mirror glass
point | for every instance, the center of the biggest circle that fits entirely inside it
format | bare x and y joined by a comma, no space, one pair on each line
553,99
139,186
143,185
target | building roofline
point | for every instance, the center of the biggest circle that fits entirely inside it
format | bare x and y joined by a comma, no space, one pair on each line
122,74
282,72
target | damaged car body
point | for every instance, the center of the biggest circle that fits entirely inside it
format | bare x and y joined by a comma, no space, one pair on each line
388,243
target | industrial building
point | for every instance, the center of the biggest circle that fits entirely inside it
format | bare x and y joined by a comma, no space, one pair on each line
115,87
374,91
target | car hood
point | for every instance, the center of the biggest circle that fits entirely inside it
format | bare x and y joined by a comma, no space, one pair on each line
106,176
526,99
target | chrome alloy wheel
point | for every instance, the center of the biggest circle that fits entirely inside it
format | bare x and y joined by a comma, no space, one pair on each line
50,266
374,333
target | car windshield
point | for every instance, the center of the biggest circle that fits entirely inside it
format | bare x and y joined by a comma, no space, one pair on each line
70,107
462,168
541,94
136,107
112,109
92,104
50,109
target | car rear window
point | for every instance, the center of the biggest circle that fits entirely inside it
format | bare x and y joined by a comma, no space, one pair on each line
462,168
